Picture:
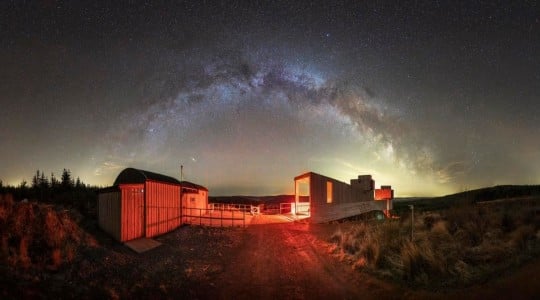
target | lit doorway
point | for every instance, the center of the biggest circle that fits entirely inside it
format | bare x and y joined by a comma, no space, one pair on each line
302,196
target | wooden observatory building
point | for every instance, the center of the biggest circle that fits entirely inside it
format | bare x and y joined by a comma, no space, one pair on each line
326,199
146,204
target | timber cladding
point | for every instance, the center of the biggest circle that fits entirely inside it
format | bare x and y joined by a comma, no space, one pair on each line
109,213
329,199
163,208
132,211
121,212
144,204
360,189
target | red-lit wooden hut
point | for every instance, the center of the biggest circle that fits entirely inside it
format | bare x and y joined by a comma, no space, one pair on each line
144,204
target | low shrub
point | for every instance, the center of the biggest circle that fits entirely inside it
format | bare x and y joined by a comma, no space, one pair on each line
429,221
522,236
419,261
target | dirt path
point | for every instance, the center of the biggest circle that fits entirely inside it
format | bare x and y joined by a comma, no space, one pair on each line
284,261
289,261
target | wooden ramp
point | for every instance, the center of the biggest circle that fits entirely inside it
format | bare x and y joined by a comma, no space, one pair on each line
142,245
331,212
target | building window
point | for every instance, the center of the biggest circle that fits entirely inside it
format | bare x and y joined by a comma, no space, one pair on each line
302,190
329,192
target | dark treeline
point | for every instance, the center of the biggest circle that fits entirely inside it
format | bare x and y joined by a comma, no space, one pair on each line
64,190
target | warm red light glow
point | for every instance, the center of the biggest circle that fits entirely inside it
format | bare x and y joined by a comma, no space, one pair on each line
384,194
329,194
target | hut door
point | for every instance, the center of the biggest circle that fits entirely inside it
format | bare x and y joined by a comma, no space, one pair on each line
138,214
132,212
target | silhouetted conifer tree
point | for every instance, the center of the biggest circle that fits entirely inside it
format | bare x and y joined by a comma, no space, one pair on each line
43,182
66,181
35,180
23,190
54,182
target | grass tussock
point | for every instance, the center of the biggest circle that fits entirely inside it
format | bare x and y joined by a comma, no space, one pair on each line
458,246
38,235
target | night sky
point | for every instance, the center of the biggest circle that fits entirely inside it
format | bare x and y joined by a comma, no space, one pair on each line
428,97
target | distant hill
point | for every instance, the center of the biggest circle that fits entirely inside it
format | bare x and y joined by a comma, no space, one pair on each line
252,200
471,197
408,198
277,199
248,200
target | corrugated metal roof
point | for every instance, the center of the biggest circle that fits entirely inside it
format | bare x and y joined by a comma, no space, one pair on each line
187,184
132,175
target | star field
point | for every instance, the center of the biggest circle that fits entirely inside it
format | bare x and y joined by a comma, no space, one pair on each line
430,98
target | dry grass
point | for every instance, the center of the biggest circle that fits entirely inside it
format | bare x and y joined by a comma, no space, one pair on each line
457,246
38,235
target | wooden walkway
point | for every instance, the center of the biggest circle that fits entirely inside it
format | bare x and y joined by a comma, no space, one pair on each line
332,212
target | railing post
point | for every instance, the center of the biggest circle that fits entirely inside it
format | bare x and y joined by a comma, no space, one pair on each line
244,219
412,221
221,218
200,219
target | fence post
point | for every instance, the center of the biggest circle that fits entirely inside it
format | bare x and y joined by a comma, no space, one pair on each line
412,221
222,218
200,219
244,219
